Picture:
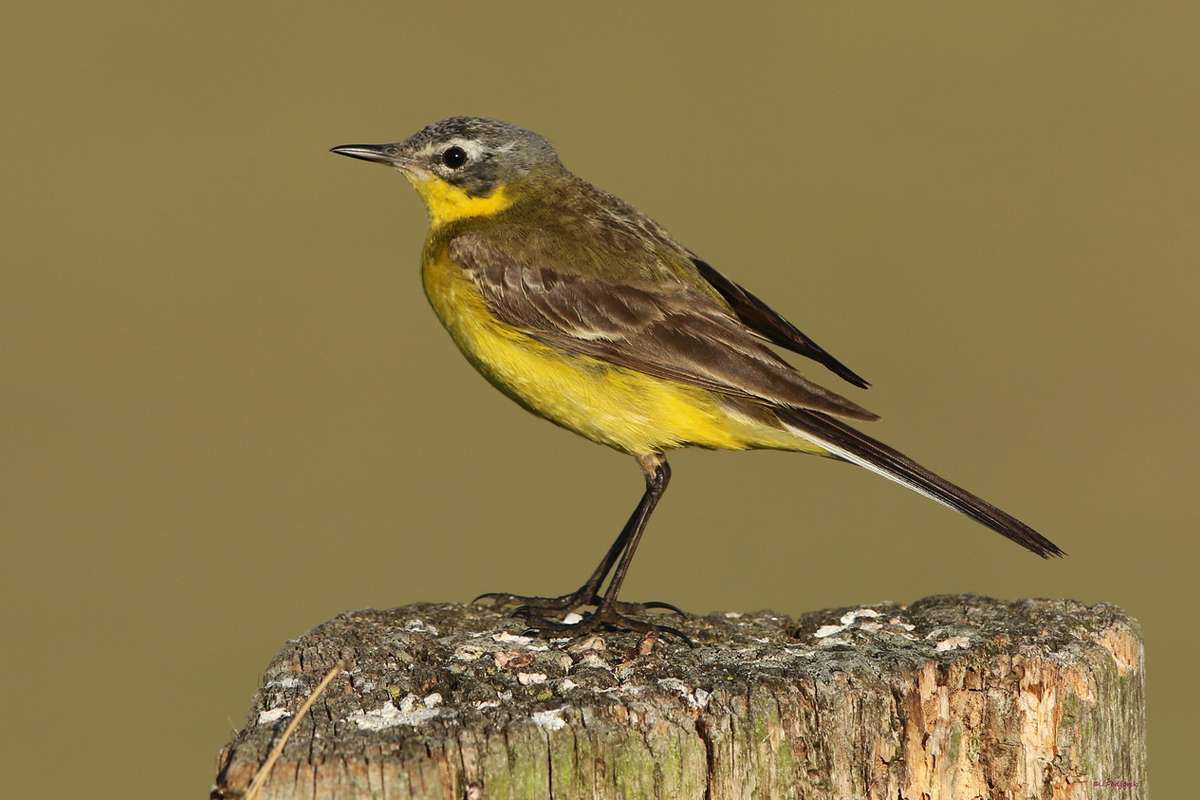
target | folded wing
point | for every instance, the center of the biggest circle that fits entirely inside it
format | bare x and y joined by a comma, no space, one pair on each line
671,331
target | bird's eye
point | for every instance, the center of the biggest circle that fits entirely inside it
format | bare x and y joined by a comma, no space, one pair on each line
454,157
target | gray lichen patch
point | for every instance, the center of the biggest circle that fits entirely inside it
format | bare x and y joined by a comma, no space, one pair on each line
946,696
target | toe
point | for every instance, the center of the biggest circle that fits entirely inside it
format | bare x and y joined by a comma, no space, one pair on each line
634,608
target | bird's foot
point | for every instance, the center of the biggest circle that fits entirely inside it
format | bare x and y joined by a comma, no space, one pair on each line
564,602
606,619
569,602
640,608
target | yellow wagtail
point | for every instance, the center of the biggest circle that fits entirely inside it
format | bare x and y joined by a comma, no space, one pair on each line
587,313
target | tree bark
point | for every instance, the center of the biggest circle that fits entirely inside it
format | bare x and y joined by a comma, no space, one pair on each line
948,697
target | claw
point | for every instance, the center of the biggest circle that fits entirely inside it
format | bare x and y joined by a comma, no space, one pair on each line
533,609
533,613
633,608
683,637
502,599
612,621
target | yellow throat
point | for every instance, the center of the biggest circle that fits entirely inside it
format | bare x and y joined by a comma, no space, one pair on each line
446,202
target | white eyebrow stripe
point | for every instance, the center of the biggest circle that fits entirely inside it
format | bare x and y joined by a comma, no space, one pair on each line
472,148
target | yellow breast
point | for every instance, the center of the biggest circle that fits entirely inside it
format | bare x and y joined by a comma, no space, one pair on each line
622,408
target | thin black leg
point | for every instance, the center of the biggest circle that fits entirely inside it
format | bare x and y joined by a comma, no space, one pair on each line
588,593
658,474
608,613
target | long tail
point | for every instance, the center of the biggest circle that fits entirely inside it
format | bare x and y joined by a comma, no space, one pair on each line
851,445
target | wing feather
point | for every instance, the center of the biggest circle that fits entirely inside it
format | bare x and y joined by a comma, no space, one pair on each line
670,331
766,321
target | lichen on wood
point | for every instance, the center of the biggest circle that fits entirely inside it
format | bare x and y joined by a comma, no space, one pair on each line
947,697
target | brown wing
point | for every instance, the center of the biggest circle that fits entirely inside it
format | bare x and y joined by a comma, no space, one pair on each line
762,318
673,331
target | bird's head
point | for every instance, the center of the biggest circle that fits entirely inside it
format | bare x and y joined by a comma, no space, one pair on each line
465,166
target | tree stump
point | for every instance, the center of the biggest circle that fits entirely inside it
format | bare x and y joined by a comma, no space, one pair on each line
948,697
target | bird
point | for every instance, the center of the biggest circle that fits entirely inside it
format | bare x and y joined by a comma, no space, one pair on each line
589,314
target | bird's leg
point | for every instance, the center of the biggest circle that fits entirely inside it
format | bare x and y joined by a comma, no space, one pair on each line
608,613
587,594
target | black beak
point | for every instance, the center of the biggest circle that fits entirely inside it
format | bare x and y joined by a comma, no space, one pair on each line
379,153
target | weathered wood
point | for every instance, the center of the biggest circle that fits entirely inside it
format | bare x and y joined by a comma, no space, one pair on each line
948,697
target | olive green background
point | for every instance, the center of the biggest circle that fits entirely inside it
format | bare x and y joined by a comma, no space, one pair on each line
227,412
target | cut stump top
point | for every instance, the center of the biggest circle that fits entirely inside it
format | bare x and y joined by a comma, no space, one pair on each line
952,696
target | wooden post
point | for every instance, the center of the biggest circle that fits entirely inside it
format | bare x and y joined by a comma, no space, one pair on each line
948,697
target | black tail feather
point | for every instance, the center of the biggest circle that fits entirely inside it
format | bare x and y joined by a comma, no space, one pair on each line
904,470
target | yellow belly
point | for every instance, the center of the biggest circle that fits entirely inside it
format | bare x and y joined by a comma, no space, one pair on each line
622,408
